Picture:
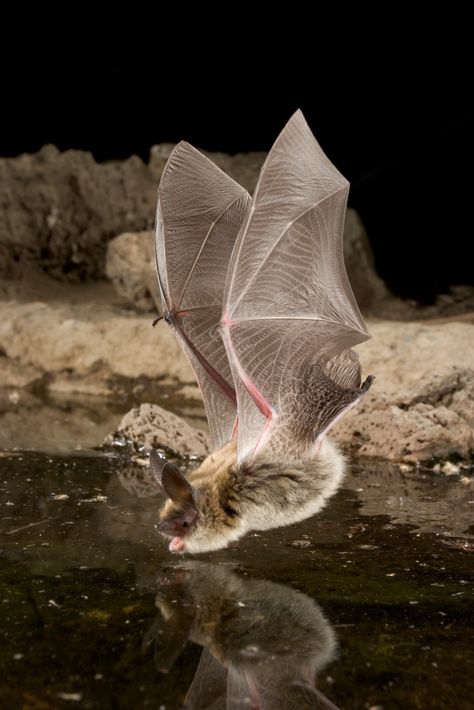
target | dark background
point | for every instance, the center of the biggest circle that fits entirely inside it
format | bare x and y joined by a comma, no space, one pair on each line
391,112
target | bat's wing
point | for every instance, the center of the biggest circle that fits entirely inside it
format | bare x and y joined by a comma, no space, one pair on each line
289,309
209,687
169,639
200,211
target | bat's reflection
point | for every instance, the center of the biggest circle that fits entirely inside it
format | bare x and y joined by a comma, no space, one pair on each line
263,643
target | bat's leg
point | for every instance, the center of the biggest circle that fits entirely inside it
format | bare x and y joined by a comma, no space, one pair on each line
213,374
253,689
263,405
235,427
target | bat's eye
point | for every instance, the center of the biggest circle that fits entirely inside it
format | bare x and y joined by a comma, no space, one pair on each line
185,524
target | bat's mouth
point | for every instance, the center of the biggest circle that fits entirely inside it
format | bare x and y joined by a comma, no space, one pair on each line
176,544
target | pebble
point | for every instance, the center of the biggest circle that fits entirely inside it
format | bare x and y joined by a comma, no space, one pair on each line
76,697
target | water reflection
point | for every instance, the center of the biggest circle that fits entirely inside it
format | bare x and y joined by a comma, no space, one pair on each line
263,643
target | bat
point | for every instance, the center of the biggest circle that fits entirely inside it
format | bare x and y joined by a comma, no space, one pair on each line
263,643
258,297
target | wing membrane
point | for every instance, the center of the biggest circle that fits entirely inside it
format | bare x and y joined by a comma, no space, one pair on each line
288,305
200,211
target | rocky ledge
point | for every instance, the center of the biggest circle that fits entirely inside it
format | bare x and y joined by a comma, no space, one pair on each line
64,216
421,405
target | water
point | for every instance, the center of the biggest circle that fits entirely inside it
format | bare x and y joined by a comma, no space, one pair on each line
372,599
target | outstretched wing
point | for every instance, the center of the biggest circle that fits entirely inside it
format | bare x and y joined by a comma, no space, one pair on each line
200,211
209,687
288,305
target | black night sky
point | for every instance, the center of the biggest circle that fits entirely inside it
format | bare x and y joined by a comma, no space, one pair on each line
394,118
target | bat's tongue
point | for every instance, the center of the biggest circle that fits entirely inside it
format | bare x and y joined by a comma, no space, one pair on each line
176,544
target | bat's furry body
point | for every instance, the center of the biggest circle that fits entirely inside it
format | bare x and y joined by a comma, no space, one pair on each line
258,297
232,499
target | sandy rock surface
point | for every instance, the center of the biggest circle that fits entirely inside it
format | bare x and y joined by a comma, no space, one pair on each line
90,338
422,402
130,265
58,210
151,426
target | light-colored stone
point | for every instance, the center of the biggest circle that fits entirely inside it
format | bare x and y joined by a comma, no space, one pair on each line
422,402
190,392
419,433
130,265
150,426
90,338
59,209
400,354
96,384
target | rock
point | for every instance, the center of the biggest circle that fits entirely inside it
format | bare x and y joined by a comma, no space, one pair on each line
422,404
190,392
421,433
300,543
401,354
90,338
459,301
130,265
67,384
58,210
150,426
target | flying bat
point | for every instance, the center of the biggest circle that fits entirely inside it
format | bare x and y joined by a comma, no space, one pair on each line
256,292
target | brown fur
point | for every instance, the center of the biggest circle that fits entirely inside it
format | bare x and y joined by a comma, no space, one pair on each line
232,500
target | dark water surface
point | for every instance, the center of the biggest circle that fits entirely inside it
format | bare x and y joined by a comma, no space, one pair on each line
372,599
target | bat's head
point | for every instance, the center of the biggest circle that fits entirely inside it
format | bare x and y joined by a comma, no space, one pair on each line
197,517
179,516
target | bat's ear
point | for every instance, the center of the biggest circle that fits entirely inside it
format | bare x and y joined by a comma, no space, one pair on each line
157,463
175,485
